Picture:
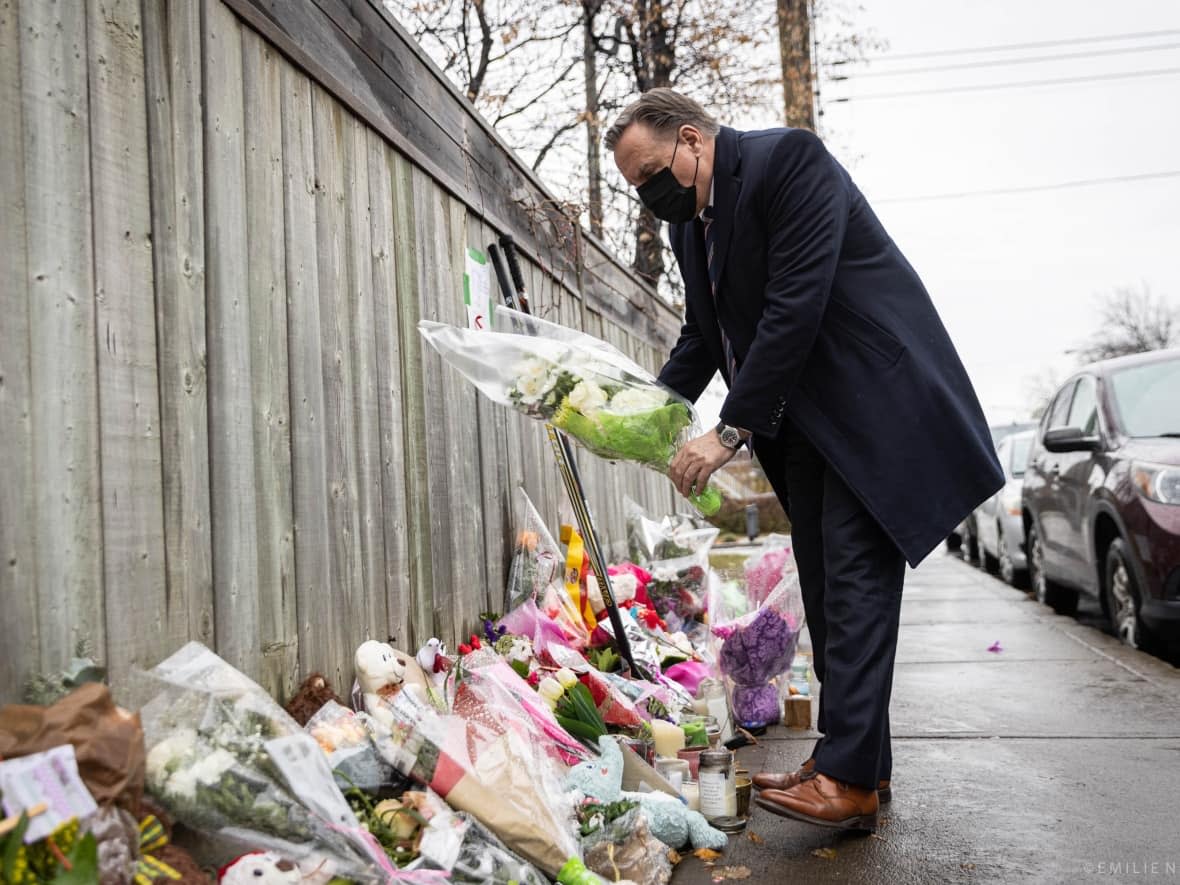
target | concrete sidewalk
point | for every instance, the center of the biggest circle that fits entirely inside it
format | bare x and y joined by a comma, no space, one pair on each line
1055,760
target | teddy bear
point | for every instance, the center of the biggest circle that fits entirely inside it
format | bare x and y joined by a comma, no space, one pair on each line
671,821
381,671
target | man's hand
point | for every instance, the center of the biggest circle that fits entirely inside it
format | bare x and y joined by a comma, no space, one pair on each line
696,462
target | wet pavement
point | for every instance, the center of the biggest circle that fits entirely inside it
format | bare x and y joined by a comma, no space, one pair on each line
1054,760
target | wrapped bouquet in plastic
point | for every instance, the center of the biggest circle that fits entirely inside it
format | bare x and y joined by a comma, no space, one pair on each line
498,778
229,763
758,647
601,398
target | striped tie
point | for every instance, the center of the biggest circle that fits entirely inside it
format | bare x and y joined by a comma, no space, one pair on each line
710,248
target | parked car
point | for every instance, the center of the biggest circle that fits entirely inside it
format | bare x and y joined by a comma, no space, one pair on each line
999,522
965,536
1102,495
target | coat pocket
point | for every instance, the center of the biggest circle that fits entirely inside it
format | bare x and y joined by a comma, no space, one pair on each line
866,332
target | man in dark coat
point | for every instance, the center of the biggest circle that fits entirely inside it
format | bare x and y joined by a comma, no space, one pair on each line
845,383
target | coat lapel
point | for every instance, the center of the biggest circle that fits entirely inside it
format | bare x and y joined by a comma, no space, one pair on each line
726,187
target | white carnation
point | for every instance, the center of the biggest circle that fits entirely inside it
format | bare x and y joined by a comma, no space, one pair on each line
635,400
587,397
175,748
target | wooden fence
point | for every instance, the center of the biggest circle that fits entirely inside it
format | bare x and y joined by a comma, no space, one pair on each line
220,222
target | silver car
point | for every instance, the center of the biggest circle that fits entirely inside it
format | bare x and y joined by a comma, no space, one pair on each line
998,522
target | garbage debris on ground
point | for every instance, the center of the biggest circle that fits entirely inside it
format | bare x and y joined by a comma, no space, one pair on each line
528,755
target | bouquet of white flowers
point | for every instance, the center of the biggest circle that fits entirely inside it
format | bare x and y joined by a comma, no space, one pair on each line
229,763
583,386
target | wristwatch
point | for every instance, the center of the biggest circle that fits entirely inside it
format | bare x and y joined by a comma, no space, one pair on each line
731,437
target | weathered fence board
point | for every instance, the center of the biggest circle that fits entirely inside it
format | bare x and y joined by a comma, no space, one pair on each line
267,309
231,411
217,416
18,581
172,51
318,623
63,366
140,624
395,573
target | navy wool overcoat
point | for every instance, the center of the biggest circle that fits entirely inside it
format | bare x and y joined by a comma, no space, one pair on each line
832,330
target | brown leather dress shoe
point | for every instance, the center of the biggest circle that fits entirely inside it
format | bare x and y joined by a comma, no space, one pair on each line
826,802
767,780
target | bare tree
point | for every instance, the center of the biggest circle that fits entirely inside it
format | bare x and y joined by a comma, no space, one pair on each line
1039,389
518,62
1132,322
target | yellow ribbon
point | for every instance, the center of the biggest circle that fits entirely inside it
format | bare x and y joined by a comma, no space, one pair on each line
575,573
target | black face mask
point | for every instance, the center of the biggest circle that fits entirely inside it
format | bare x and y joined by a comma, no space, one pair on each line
667,198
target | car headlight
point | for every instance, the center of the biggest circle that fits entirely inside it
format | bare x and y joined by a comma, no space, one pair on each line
1157,482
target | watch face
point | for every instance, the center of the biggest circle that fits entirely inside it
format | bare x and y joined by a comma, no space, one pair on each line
730,437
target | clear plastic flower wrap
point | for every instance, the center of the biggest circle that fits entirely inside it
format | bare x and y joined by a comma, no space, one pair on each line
487,691
766,568
602,399
675,551
498,778
671,537
229,763
758,647
539,606
344,736
536,560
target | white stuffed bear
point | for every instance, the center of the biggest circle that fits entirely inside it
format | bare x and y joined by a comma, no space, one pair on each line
381,672
670,820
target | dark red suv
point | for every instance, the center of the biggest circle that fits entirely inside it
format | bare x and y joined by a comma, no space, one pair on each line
1101,496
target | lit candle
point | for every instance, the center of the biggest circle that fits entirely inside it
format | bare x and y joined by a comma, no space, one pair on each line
668,738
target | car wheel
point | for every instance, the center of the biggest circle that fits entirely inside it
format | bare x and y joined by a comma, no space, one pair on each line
971,547
1061,599
1122,596
1007,569
991,564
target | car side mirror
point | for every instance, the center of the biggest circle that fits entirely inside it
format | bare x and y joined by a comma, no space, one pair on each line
1071,439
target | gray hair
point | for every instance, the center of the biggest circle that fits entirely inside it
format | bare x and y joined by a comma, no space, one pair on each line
664,111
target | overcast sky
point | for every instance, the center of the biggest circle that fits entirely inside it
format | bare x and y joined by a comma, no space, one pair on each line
1016,277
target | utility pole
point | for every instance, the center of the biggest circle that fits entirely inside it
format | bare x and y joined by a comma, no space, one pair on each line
794,33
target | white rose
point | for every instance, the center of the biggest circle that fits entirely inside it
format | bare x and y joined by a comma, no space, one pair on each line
587,397
635,400
534,380
625,586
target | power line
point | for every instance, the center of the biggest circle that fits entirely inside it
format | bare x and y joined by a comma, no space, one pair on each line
1025,84
1033,188
1092,53
1039,44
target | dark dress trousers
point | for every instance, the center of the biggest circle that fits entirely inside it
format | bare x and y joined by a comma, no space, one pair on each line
833,330
863,416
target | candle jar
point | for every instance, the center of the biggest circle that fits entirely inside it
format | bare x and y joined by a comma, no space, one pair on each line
713,693
643,748
696,730
692,755
674,771
717,785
